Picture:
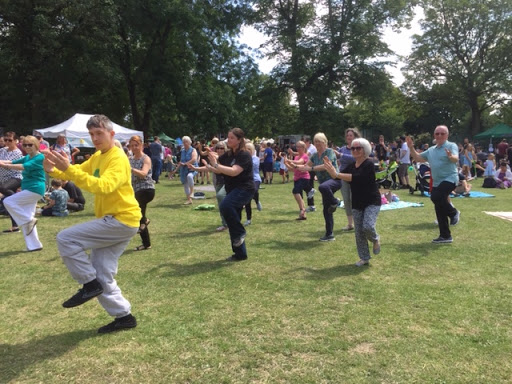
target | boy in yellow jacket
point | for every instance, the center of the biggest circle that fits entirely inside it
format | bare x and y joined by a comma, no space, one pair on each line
106,174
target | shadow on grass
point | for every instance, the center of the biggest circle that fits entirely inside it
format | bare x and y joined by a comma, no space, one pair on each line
175,269
331,272
10,253
292,245
419,226
18,357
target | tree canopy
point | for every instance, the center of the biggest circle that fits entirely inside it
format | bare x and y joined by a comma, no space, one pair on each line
466,45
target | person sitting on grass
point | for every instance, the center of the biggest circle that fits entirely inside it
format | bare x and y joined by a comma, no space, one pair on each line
107,174
503,176
463,188
57,206
76,201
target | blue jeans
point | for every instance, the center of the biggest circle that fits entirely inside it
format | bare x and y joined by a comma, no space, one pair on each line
231,210
327,189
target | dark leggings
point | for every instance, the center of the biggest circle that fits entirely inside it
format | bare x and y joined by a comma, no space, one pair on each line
144,196
9,188
256,198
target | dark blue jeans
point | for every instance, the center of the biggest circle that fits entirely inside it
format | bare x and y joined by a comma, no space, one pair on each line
156,168
444,209
327,189
231,209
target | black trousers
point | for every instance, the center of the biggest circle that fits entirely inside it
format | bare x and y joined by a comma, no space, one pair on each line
143,197
444,210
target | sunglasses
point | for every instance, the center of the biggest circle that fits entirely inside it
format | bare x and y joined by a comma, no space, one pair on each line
219,148
28,145
9,140
355,148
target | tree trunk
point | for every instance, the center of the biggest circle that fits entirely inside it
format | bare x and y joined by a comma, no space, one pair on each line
476,115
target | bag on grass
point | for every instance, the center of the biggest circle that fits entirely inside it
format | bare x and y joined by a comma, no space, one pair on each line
489,182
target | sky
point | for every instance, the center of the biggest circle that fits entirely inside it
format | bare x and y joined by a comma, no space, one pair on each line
400,43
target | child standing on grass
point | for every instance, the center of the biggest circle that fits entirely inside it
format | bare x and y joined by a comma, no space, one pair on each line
107,174
58,204
283,170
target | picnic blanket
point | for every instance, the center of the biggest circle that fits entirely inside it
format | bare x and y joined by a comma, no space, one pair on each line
501,215
394,205
471,194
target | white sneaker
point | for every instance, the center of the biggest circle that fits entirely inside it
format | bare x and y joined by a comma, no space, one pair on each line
311,193
247,222
258,206
311,208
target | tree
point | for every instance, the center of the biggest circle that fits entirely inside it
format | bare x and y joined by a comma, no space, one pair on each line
466,45
327,49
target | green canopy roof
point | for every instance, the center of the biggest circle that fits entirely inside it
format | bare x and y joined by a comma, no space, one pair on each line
165,139
498,131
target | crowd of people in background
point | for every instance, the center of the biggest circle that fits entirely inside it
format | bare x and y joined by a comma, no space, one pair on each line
123,178
304,159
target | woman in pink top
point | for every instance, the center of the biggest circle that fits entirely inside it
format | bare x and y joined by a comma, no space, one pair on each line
300,178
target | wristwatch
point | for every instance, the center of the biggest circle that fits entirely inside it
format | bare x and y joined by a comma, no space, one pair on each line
216,165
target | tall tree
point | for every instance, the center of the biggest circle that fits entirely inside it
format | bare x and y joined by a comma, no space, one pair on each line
466,44
327,49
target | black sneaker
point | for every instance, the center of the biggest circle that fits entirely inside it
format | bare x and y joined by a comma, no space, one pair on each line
443,240
87,292
125,322
332,208
327,238
455,219
235,258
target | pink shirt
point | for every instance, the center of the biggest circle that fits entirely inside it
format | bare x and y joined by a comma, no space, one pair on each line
301,174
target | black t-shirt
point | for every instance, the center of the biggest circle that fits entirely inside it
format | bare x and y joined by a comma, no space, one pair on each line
74,192
245,179
380,152
364,189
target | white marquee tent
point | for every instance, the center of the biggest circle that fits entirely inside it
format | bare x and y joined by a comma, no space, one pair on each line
75,127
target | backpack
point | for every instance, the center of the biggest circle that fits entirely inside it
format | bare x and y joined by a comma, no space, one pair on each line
489,182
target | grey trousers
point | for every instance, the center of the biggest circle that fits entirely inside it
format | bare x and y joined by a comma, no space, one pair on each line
107,238
364,225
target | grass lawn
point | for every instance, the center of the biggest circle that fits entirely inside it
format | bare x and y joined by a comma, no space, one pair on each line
297,311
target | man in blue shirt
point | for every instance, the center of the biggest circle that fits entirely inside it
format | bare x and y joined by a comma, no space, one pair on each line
443,159
157,151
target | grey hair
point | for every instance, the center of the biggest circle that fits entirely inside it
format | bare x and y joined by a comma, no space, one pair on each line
367,147
186,138
100,121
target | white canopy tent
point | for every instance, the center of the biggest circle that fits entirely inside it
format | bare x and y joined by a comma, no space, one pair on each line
75,127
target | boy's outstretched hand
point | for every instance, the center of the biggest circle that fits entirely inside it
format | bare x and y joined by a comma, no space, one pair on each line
54,159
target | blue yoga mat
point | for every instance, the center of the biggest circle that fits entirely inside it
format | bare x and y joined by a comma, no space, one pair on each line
471,194
394,205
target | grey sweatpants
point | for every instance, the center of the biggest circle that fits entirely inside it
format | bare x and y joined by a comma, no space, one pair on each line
107,238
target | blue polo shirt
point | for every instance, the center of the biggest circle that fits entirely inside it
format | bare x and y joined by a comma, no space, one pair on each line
441,168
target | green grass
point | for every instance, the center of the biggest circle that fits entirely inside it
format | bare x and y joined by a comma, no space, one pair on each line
297,311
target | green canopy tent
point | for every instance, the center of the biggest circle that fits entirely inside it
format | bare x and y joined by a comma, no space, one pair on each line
166,139
498,131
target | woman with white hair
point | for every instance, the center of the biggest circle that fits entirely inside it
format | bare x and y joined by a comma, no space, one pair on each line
188,156
257,181
327,185
365,197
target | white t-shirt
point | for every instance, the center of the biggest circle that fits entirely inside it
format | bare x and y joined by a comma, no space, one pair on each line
405,154
311,150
